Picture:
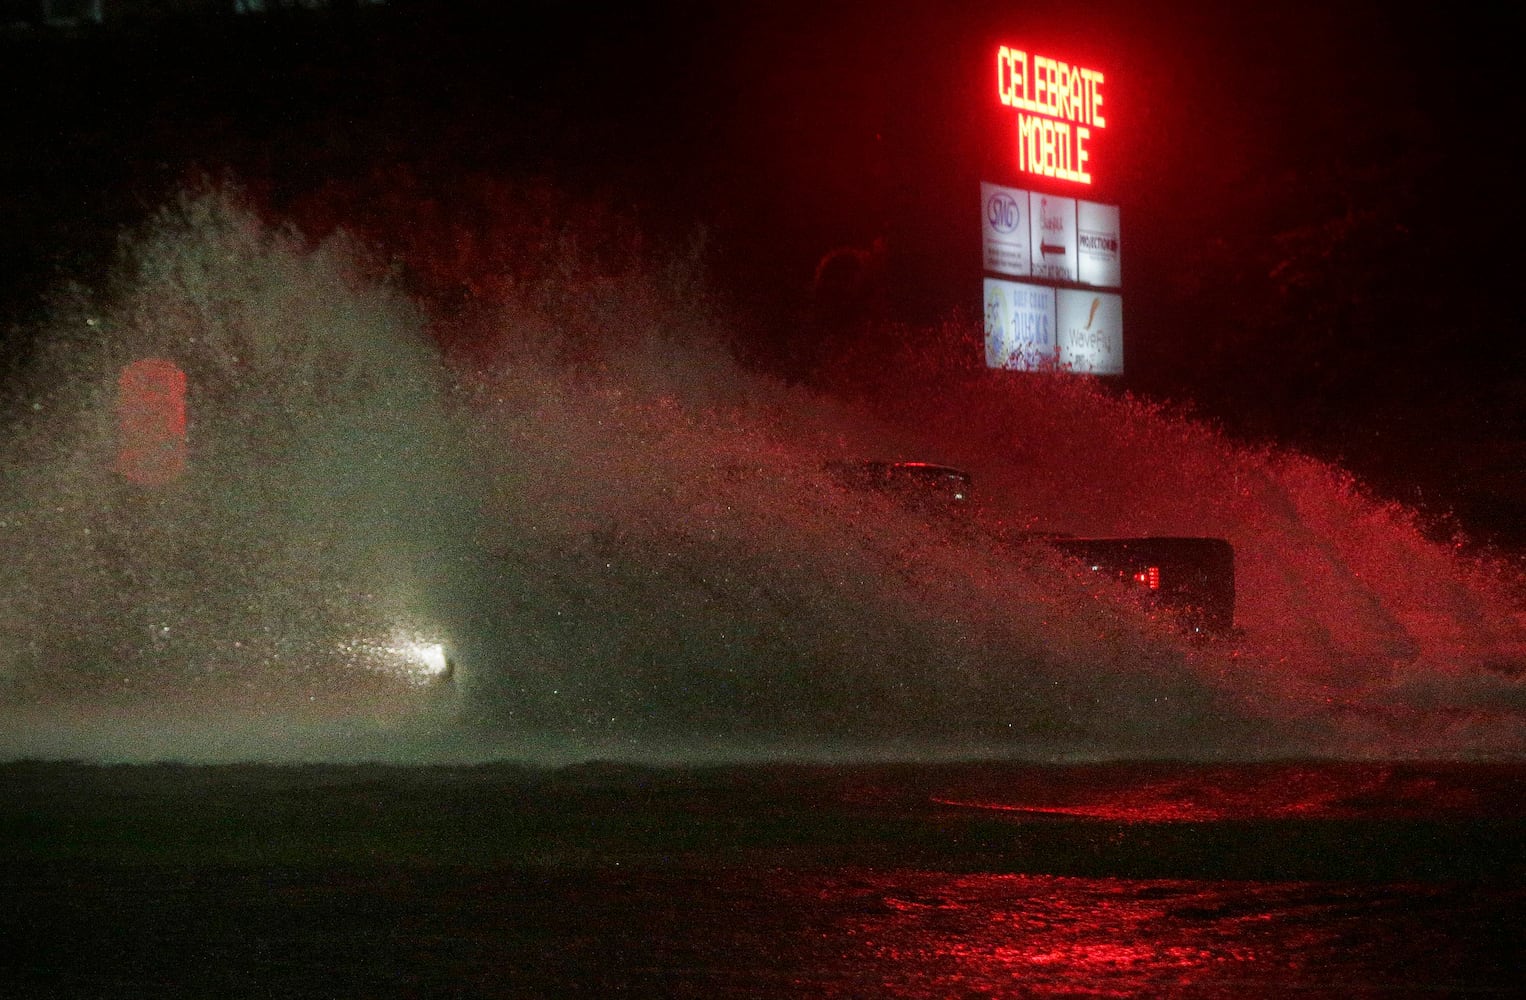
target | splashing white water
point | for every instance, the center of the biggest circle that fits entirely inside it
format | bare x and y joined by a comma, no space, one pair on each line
629,543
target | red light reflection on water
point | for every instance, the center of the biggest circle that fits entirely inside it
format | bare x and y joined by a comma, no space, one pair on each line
994,933
1169,794
937,935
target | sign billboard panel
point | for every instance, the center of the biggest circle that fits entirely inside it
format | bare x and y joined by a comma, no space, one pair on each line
1020,325
1097,240
1090,328
1059,109
1052,231
1004,214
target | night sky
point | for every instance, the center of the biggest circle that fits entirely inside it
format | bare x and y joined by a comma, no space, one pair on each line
1319,201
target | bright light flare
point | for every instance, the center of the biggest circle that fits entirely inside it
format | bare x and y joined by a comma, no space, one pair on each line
415,660
430,657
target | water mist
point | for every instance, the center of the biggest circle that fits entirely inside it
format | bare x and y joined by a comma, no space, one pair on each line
629,545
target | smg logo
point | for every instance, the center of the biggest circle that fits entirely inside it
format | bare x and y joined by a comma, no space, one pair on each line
1002,212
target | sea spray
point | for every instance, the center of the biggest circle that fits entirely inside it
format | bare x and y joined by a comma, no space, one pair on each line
319,520
1345,601
631,545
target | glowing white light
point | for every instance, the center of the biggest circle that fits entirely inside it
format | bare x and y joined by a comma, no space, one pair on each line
417,661
431,656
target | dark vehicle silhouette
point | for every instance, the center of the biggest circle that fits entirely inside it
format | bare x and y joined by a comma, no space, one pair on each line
1191,579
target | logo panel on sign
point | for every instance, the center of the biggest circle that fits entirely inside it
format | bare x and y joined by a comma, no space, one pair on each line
1003,213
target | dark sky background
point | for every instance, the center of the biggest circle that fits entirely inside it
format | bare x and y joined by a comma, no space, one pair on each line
1320,203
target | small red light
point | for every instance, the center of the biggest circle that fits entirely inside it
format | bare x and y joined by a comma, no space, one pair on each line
151,422
1150,577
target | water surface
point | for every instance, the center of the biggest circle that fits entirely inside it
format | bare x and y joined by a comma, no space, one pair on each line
765,880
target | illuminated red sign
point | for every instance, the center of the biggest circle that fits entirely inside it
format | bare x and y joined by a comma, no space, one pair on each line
1058,105
151,422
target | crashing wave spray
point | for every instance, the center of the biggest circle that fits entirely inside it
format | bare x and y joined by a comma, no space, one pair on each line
632,546
305,557
1361,634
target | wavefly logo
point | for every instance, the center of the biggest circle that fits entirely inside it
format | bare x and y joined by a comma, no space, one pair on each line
1091,332
1003,213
